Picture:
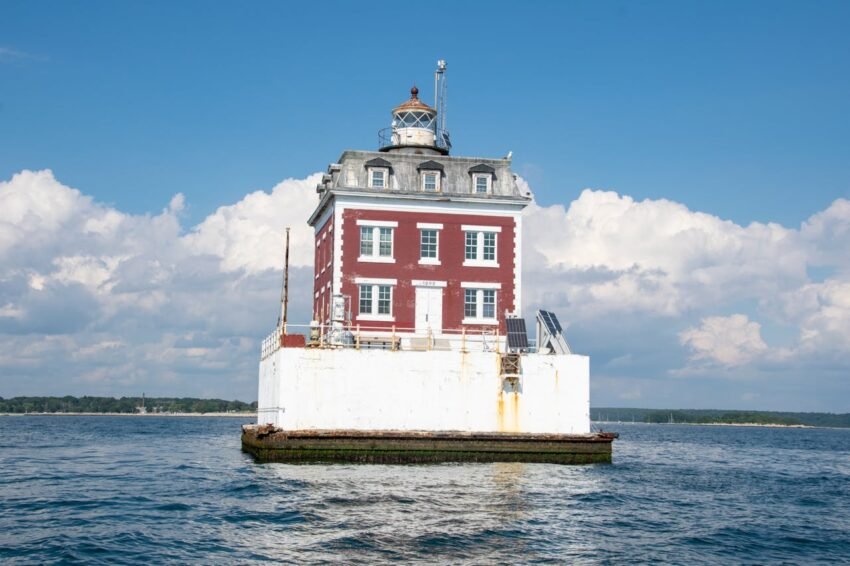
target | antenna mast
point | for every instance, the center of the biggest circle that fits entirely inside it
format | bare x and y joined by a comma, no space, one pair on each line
440,93
284,296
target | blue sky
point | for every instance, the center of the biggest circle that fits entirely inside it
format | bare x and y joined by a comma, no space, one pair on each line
737,109
698,119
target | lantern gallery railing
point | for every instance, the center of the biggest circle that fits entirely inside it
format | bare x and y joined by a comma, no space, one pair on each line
390,137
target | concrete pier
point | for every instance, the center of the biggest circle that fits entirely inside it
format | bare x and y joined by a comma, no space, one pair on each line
270,444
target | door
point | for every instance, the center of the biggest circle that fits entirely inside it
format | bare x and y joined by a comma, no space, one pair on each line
429,310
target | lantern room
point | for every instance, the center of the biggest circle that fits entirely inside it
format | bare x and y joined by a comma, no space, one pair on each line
414,128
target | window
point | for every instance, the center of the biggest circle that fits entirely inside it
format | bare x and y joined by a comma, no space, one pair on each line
470,303
481,183
479,248
489,246
366,240
488,304
428,244
384,299
365,299
375,298
379,177
376,240
385,249
431,181
471,247
479,303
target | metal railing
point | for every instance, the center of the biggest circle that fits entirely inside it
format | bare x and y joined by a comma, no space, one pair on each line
361,337
388,137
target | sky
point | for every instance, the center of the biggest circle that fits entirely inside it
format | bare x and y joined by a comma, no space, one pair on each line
690,163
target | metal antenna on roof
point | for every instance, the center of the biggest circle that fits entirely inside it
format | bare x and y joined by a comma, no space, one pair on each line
440,94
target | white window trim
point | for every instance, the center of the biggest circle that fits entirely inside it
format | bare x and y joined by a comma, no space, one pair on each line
480,321
438,188
476,176
386,172
376,225
375,283
477,228
379,223
479,304
375,259
479,261
376,317
429,226
429,260
479,285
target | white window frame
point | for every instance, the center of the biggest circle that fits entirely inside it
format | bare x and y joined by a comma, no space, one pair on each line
384,170
376,226
489,179
479,289
429,226
375,284
437,175
479,260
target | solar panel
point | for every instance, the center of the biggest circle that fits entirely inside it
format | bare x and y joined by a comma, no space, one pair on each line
551,322
517,334
550,335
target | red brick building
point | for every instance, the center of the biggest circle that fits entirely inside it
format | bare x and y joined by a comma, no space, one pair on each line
416,240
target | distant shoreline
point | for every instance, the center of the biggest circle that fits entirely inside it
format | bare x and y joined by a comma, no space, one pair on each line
764,425
245,415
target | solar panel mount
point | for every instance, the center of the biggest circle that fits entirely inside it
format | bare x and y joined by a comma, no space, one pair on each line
550,335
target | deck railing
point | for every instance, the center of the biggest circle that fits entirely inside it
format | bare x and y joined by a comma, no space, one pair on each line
361,337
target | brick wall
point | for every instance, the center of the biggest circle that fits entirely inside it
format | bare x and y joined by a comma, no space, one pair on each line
406,248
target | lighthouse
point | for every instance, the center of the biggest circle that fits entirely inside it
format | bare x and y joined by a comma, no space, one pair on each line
418,242
417,349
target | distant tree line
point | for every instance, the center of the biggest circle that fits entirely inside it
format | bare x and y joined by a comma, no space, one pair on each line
709,416
87,404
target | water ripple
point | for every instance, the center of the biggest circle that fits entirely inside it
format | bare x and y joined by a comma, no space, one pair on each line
105,490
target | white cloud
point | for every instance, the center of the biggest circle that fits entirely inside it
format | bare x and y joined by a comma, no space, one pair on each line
828,235
93,300
821,311
249,235
177,311
610,253
727,341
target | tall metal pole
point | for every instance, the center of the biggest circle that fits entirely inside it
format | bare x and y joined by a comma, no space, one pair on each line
284,298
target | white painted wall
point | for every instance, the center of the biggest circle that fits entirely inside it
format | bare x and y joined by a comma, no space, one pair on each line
439,391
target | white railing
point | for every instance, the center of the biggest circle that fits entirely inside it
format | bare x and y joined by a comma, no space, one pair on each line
394,338
271,343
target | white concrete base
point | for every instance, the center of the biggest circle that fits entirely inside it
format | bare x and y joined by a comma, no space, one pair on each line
303,389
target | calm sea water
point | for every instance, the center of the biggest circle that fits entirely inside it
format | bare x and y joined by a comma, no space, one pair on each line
111,490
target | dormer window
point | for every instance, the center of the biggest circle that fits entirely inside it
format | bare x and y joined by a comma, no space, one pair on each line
378,177
431,181
378,173
430,174
482,179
